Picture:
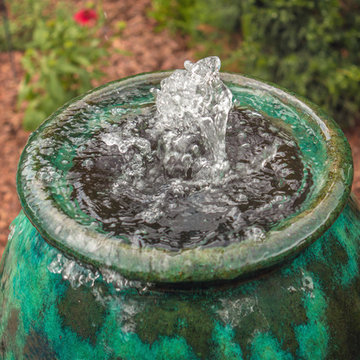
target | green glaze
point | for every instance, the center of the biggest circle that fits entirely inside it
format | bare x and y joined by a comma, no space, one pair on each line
308,308
296,295
45,193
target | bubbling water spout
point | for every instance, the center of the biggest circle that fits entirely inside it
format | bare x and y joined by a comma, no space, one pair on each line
192,112
160,174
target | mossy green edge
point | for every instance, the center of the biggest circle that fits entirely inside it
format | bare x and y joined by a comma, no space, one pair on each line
199,264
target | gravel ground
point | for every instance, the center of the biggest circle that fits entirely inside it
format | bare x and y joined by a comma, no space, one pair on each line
148,50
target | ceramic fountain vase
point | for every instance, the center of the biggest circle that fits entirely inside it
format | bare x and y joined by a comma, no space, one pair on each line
69,290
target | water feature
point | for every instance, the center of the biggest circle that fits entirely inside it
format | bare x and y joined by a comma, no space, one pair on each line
136,227
192,168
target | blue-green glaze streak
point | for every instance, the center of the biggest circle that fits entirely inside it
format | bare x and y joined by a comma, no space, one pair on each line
307,309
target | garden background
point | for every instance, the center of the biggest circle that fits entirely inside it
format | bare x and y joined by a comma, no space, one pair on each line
51,51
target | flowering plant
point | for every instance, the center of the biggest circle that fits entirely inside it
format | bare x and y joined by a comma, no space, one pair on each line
86,17
60,63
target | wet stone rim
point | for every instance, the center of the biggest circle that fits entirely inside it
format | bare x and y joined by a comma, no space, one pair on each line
196,264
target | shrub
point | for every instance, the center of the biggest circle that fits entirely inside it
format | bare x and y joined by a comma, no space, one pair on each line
23,16
60,62
310,47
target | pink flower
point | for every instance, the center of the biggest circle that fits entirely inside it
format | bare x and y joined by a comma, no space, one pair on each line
85,17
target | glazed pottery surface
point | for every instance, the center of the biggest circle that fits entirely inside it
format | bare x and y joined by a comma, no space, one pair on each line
294,296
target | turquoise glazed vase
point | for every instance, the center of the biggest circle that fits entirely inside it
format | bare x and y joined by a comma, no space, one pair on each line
70,290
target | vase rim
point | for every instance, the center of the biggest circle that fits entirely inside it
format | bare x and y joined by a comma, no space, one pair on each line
197,264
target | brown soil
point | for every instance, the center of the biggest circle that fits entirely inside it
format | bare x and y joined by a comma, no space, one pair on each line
12,141
353,136
146,49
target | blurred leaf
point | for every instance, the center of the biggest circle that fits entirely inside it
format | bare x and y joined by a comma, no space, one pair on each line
33,118
119,26
55,87
82,60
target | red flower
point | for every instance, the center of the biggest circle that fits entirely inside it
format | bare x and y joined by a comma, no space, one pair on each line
85,17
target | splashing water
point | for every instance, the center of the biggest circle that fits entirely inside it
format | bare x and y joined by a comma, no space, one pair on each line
79,274
186,169
190,169
194,103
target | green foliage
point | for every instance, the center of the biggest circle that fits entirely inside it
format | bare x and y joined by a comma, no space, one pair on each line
310,47
188,16
23,16
59,64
